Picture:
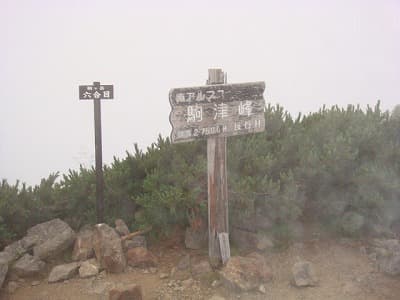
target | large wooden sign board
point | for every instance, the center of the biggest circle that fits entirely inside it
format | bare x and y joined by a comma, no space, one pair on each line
216,110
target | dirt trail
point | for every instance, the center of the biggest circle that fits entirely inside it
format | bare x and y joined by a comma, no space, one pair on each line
344,272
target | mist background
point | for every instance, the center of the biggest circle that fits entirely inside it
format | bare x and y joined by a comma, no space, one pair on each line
309,53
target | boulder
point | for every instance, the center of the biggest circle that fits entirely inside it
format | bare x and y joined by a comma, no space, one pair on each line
3,273
128,292
390,265
63,272
304,274
136,241
15,250
387,253
28,265
196,238
243,274
83,247
19,248
108,249
141,257
88,268
50,238
121,227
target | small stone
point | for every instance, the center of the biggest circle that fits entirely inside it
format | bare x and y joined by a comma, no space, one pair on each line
216,283
63,272
262,289
164,275
303,274
131,292
88,269
35,283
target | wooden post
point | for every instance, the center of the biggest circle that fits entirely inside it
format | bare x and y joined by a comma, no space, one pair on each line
99,160
218,225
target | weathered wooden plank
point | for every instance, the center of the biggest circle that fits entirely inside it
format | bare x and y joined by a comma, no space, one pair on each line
234,118
224,246
217,110
217,93
217,188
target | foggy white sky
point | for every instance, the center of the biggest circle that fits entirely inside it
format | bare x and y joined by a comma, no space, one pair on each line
309,53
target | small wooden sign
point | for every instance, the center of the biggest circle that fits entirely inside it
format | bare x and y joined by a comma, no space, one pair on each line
216,110
96,91
223,238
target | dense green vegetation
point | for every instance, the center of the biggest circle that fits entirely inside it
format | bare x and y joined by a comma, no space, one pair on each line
339,167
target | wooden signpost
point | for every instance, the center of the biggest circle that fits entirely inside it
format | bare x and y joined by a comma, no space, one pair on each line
214,112
97,92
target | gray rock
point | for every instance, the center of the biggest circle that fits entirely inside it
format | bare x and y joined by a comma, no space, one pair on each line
141,257
243,274
196,239
262,289
131,292
51,238
6,258
137,241
35,283
88,268
28,265
63,272
108,249
121,227
3,273
83,246
304,274
390,245
19,248
386,252
390,265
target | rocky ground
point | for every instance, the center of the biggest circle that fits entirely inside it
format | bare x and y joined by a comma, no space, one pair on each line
316,268
343,269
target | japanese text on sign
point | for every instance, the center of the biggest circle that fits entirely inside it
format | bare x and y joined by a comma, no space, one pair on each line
96,92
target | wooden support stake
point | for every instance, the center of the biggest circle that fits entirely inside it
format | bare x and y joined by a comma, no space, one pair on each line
217,188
